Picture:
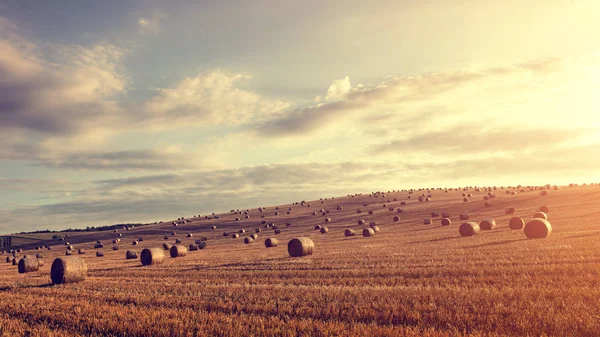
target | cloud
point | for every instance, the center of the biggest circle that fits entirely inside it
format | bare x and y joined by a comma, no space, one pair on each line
151,25
338,89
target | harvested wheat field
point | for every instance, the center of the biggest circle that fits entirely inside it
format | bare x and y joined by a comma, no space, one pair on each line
409,279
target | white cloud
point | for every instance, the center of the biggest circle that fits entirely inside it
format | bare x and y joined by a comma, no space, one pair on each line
151,25
338,89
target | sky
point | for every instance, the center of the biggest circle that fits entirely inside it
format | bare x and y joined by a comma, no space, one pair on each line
141,111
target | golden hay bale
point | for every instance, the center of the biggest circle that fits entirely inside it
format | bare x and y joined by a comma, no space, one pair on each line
68,252
214,227
465,200
131,254
235,236
192,247
9,259
68,270
15,261
115,247
81,251
189,235
399,210
324,230
487,224
427,221
248,240
301,247
178,251
537,229
543,193
271,242
544,209
99,254
39,256
135,243
469,229
445,215
370,212
202,245
540,215
242,231
166,246
254,236
464,216
317,227
509,210
516,223
446,222
277,231
225,233
166,237
396,218
288,224
177,240
488,204
151,256
349,232
435,214
98,246
28,265
327,219
375,228
361,222
41,262
368,232
358,211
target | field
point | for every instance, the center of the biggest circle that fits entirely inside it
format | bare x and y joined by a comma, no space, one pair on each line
410,279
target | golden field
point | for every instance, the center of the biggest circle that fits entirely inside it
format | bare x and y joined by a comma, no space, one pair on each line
410,279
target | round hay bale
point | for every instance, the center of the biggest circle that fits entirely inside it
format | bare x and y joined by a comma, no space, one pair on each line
254,236
177,240
15,261
271,242
242,231
427,221
150,256
370,212
68,270
28,265
202,245
98,246
361,222
368,232
257,230
540,215
327,219
446,222
358,211
469,229
192,247
248,240
445,215
166,237
40,262
68,252
544,209
487,224
516,223
288,224
277,231
9,259
399,210
198,241
115,241
225,234
178,251
81,251
214,227
235,236
509,210
115,247
375,228
189,235
488,204
543,193
324,230
135,243
166,246
301,246
435,214
99,254
464,216
396,218
349,232
317,227
39,256
130,255
465,200
537,229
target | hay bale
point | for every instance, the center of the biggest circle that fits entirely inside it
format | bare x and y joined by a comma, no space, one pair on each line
135,243
41,262
248,240
99,254
202,245
178,251
150,256
214,227
277,231
301,246
235,236
68,270
543,193
509,210
189,235
327,219
488,204
288,224
271,242
324,230
81,251
166,237
28,265
358,211
516,223
98,246
39,256
469,229
396,218
435,214
68,252
540,215
368,232
15,261
445,215
537,229
427,221
9,259
192,247
465,200
242,231
115,247
361,222
464,216
166,246
349,232
225,233
487,224
446,222
131,254
317,227
254,236
399,210
375,228
544,209
177,241
370,212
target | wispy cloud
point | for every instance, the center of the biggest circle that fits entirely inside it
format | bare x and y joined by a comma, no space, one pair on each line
151,24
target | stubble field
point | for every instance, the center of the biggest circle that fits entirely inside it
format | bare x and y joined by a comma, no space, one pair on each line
410,279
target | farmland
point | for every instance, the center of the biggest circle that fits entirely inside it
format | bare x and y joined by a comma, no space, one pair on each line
410,279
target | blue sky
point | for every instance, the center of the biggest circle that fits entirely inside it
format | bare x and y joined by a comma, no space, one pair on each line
136,111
